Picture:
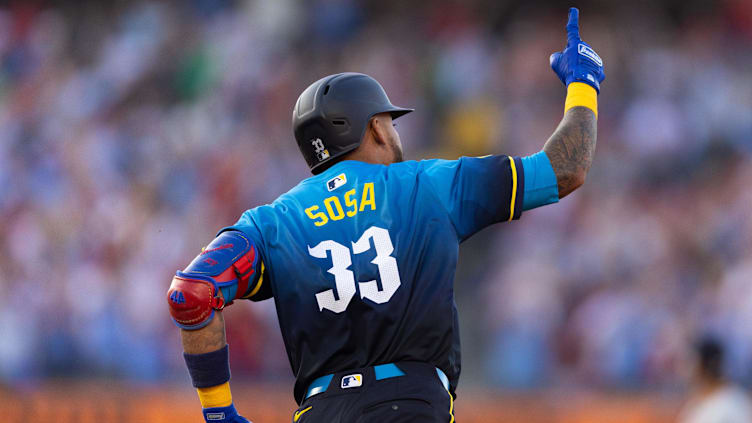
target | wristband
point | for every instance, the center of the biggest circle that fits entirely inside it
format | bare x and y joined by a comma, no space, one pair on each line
581,94
209,369
216,396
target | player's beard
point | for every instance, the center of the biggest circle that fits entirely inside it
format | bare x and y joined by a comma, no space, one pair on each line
397,155
396,152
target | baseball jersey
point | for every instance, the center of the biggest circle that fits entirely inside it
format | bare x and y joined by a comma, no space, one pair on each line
360,259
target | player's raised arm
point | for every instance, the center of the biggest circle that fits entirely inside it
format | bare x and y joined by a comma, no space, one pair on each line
572,146
227,269
565,159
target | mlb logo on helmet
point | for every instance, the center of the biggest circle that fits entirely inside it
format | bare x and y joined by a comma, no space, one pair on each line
321,152
352,381
336,182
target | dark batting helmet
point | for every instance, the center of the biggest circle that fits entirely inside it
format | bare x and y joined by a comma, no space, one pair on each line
331,116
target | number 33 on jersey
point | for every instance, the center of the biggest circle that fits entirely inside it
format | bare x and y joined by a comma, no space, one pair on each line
344,277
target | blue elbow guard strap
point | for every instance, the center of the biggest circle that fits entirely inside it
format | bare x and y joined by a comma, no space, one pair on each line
209,369
228,264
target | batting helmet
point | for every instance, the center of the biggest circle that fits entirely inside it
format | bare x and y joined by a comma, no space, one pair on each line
331,115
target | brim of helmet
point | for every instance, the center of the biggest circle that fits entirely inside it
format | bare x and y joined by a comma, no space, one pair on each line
399,111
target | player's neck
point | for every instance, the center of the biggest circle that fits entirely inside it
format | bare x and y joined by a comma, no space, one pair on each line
368,154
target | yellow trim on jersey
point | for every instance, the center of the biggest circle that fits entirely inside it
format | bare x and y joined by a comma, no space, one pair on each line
215,396
514,188
258,285
301,412
451,406
581,94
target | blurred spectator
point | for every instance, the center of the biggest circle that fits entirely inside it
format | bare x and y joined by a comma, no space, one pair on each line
714,399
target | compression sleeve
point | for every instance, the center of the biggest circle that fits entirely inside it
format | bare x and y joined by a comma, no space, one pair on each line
541,187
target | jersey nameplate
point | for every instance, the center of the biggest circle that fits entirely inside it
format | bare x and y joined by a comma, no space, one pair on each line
348,205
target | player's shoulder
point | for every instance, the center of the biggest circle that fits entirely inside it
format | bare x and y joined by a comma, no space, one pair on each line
265,218
343,173
302,193
415,167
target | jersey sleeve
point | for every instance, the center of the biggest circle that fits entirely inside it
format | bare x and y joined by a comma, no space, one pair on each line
259,288
476,191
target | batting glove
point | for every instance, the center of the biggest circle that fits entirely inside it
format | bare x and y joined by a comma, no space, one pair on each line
224,415
578,62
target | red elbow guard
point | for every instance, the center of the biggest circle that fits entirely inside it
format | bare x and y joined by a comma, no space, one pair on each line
221,273
193,300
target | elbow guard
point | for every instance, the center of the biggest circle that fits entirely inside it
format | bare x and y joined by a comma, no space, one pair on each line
222,272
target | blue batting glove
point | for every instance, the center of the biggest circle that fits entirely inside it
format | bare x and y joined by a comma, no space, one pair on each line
224,415
578,62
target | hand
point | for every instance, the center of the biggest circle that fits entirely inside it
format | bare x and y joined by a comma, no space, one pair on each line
224,415
578,62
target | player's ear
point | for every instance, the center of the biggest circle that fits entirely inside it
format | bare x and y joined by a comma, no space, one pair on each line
377,127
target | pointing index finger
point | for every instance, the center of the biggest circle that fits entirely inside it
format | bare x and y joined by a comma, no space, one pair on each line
573,25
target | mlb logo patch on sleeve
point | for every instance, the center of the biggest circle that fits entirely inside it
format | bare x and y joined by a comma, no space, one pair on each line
336,182
352,381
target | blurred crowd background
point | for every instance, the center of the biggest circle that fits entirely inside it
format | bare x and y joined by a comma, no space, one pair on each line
131,131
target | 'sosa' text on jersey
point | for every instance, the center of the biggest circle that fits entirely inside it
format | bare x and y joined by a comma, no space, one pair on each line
334,205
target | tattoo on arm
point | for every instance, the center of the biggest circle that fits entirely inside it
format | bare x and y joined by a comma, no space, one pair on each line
571,148
207,339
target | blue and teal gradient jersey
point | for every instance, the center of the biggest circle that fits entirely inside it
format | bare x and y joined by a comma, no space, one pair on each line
360,259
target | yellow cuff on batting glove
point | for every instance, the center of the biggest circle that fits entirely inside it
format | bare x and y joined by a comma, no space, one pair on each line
581,94
215,396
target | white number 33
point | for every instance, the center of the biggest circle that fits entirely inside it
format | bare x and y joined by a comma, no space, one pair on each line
344,278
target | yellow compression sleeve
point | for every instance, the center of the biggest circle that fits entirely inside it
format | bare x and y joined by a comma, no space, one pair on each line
215,396
581,94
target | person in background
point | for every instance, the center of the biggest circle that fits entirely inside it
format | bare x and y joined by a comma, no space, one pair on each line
714,399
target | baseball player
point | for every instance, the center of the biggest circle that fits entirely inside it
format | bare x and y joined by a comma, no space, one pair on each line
360,257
